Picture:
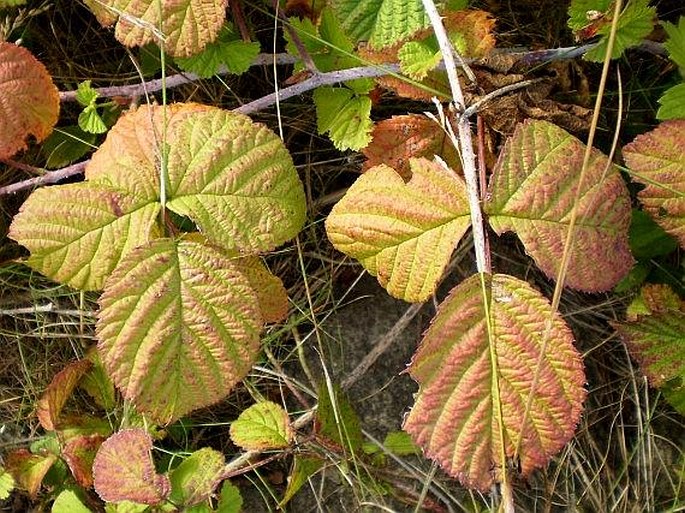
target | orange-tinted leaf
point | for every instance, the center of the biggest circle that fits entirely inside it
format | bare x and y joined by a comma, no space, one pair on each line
30,102
123,469
51,403
79,453
456,418
657,160
29,469
532,191
396,140
271,294
474,28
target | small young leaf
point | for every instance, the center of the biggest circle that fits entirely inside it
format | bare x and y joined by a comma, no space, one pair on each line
85,94
672,103
79,453
90,121
186,26
178,327
49,406
344,116
30,102
380,22
68,502
396,140
304,467
194,480
417,58
657,160
226,50
124,471
403,233
532,191
675,44
28,470
6,484
230,500
78,232
456,418
263,426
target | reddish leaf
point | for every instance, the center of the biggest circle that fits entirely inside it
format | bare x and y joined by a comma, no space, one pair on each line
29,469
657,159
79,453
123,469
51,403
399,138
30,102
456,419
532,191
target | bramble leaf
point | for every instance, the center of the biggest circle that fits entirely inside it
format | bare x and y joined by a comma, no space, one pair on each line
65,145
49,406
344,116
90,121
403,233
68,502
271,294
185,26
456,418
532,192
178,327
194,480
79,453
303,468
227,50
417,58
396,140
77,233
230,500
123,469
657,160
675,44
28,470
30,102
264,425
380,22
672,103
6,484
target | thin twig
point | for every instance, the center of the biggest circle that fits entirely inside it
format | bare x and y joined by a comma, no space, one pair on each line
24,167
47,178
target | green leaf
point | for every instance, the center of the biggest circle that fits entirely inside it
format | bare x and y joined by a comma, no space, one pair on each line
126,507
85,94
178,327
66,145
230,500
235,180
672,103
77,233
647,239
68,502
457,418
344,116
657,160
49,406
400,444
380,22
337,421
262,426
532,191
417,58
11,3
186,26
227,50
90,121
675,44
194,480
403,233
657,341
6,484
635,23
304,467
30,101
124,471
96,384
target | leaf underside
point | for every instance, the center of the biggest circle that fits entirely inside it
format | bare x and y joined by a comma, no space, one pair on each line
456,418
532,191
657,159
185,26
403,233
29,102
123,469
178,327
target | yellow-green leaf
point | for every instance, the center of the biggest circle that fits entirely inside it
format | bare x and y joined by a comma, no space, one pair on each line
344,116
403,233
49,406
457,418
194,480
262,426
